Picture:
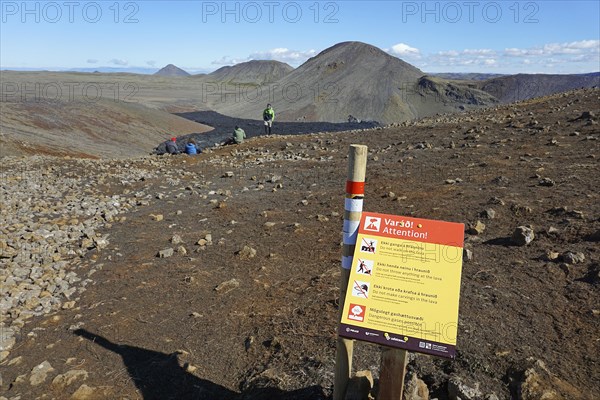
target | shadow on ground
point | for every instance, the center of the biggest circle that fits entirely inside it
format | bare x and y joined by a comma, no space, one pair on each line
501,241
159,376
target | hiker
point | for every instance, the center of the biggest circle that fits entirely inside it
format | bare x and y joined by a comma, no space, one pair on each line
238,136
172,146
268,117
191,148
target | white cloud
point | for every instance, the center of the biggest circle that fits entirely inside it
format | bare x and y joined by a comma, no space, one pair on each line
479,52
587,44
293,57
575,57
151,63
404,50
551,49
117,61
586,58
514,52
466,58
449,53
557,48
467,52
92,61
283,54
226,60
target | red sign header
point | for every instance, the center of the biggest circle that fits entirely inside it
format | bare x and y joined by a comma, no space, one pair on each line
417,229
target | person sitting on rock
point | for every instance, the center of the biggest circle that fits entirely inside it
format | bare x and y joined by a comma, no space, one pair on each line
238,136
172,146
191,148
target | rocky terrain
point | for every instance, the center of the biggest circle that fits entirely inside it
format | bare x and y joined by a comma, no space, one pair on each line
216,276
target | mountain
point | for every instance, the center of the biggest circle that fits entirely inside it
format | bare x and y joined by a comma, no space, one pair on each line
359,80
519,87
256,72
171,70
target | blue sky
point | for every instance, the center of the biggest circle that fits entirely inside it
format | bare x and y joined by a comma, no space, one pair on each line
200,36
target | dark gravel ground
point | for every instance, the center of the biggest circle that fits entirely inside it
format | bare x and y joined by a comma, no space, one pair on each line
224,126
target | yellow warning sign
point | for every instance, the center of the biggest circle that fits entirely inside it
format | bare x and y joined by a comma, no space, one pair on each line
404,285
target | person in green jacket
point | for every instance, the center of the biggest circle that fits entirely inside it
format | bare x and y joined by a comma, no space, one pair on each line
238,135
237,138
268,117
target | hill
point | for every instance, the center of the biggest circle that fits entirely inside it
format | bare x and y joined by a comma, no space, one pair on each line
171,70
357,79
256,72
77,128
217,276
519,87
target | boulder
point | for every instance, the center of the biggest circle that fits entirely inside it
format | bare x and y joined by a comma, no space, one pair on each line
522,236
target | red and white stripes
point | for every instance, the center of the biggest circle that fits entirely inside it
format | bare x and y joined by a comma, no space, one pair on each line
353,205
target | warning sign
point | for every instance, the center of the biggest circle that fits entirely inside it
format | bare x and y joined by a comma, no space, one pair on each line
356,312
360,289
368,245
404,285
372,224
364,266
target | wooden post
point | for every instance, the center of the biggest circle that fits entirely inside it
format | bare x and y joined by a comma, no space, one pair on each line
355,190
391,373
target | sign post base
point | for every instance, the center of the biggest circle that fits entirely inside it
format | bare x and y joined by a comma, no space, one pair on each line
392,372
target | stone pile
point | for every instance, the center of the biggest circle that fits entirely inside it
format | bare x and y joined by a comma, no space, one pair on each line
53,211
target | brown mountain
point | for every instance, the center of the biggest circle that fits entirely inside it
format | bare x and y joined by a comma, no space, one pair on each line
519,87
354,78
171,70
256,72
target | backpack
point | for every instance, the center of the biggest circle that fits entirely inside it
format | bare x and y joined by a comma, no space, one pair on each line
190,148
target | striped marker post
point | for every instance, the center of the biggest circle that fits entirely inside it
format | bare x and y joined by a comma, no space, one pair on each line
355,192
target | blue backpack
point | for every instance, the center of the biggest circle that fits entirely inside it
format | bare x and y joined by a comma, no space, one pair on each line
190,149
